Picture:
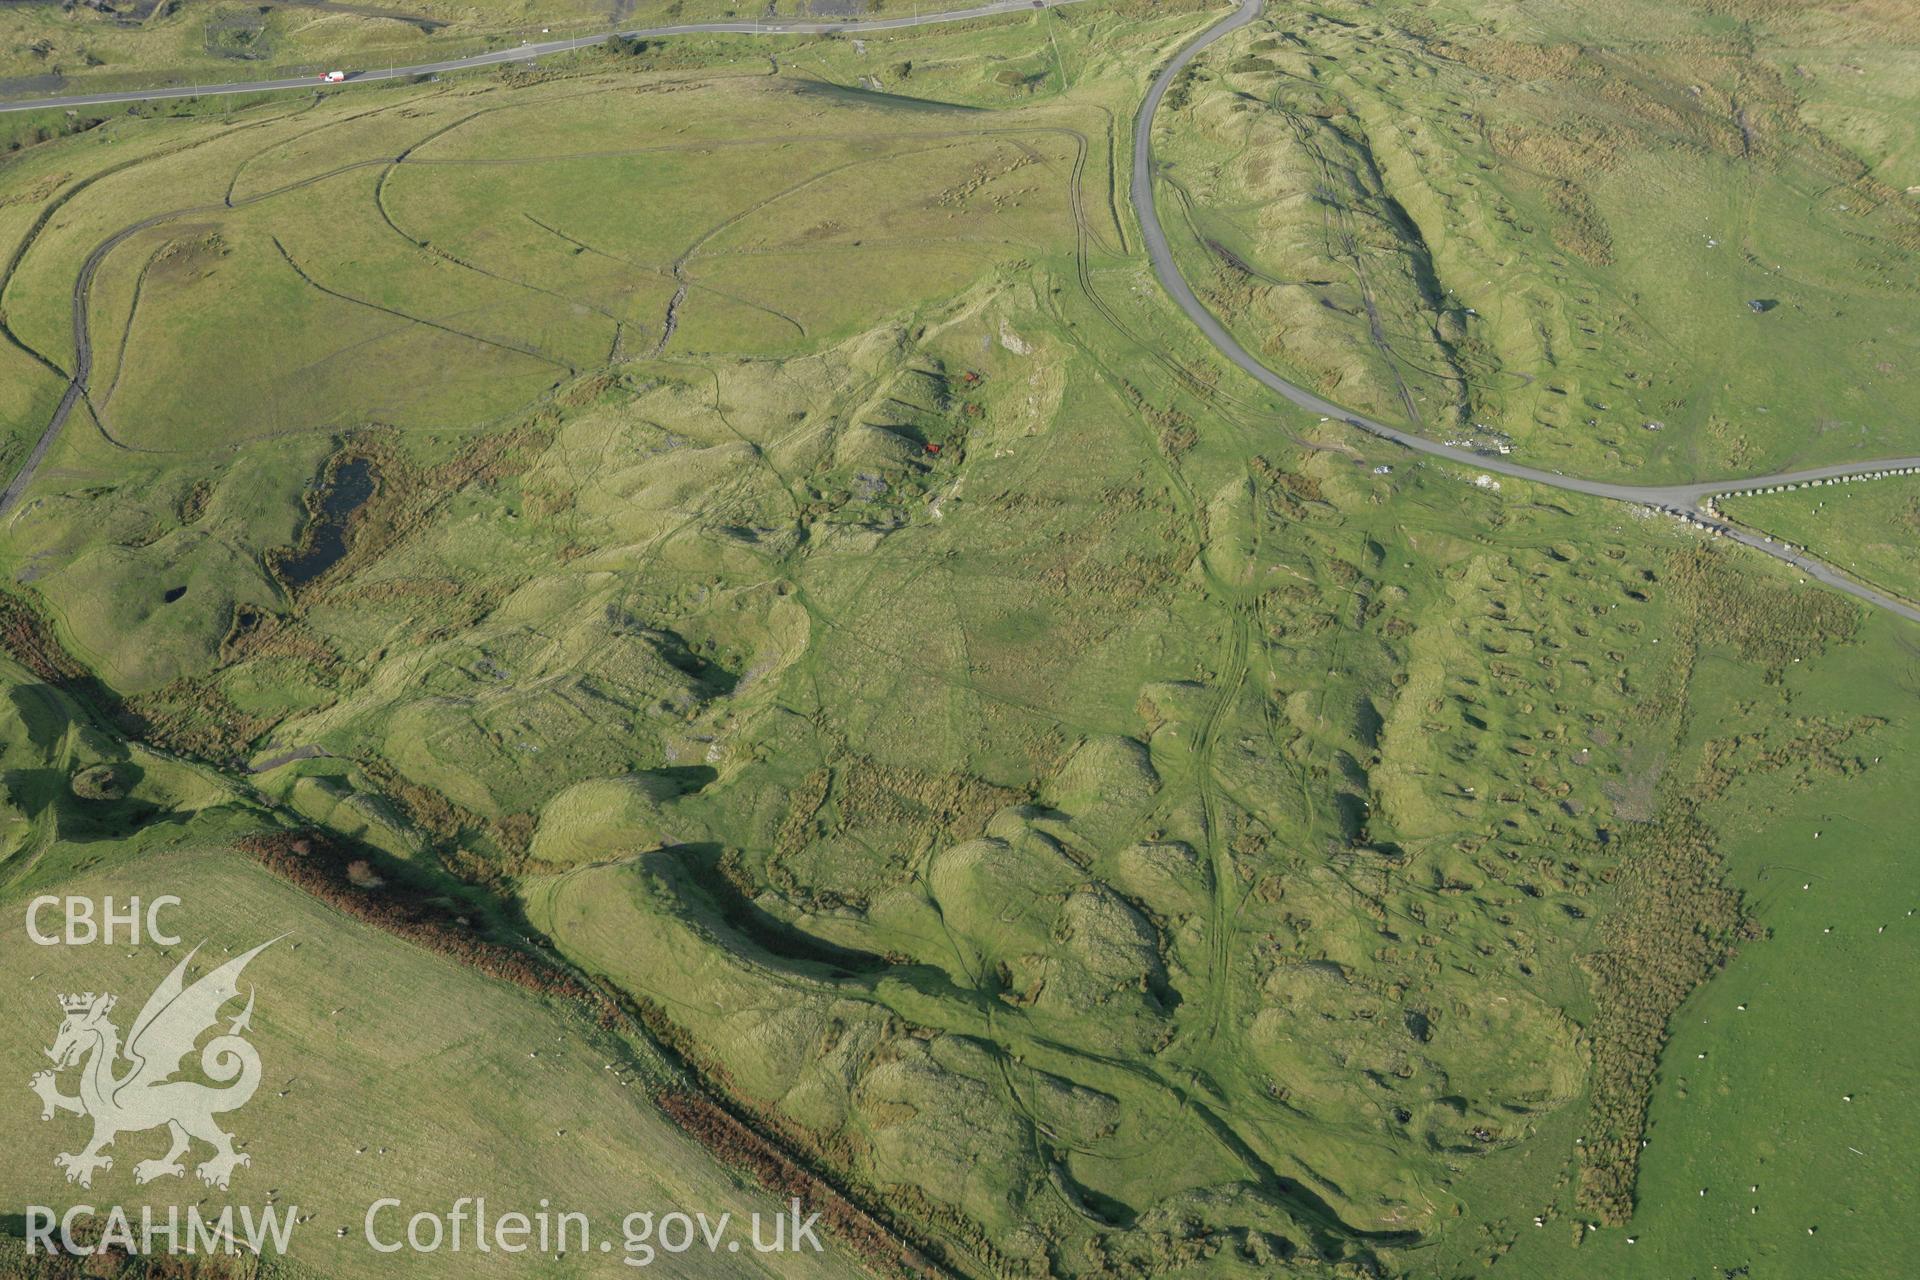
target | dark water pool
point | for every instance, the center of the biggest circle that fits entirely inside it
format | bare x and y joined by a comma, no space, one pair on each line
350,485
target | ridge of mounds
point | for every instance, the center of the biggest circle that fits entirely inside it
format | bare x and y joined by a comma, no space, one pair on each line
344,879
165,718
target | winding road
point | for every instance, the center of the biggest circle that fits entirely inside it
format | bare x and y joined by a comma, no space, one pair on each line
83,345
545,48
1691,502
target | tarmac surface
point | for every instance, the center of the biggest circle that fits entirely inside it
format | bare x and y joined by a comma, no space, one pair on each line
1687,502
1690,502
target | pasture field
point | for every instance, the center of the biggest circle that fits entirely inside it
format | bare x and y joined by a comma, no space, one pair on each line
1778,1094
1870,529
388,1071
342,1012
744,520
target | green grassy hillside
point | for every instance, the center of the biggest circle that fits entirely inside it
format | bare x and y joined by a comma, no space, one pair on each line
388,1070
748,525
1639,240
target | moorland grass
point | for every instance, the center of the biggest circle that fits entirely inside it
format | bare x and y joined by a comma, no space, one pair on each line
1102,806
1627,258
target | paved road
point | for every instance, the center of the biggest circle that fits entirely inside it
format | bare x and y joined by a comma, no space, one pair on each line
82,364
83,346
1687,501
527,52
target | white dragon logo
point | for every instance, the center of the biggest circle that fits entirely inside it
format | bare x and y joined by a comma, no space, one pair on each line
146,1096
